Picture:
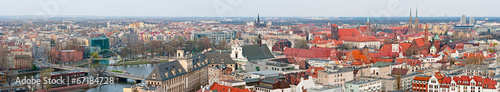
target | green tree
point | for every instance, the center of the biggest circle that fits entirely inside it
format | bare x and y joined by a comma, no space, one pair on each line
33,67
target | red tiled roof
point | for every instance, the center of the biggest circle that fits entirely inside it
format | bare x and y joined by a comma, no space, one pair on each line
381,54
313,71
222,88
349,32
405,46
418,78
356,54
446,80
375,60
308,53
359,38
403,60
357,63
421,42
334,25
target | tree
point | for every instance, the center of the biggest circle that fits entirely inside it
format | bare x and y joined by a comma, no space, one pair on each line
98,69
33,67
3,57
124,52
45,74
223,45
205,43
301,44
346,47
50,56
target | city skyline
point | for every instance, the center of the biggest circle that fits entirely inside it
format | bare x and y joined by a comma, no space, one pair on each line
222,8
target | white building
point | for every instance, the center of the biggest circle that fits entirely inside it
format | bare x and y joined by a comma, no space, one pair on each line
363,86
263,65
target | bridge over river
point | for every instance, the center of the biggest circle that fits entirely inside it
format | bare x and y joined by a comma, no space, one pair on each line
136,77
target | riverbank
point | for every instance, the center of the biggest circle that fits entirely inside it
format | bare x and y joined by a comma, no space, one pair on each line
137,62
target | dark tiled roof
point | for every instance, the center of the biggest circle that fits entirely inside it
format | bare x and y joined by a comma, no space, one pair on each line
218,58
167,71
256,52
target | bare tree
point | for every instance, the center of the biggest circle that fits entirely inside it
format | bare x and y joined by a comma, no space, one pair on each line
45,74
223,45
3,57
50,56
156,47
98,69
205,43
125,51
346,47
10,78
301,44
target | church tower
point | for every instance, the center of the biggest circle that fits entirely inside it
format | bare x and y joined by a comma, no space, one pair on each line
417,24
437,43
410,23
257,21
368,29
426,35
334,32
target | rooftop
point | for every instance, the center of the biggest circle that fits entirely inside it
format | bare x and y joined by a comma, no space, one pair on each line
361,81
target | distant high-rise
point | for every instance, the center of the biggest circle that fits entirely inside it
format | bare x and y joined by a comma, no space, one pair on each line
463,20
472,21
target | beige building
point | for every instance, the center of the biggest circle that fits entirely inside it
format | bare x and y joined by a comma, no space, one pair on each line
336,77
22,61
171,74
379,69
175,77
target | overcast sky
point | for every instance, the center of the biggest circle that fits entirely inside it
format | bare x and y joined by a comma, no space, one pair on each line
250,8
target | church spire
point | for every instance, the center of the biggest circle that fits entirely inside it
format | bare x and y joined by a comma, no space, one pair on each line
417,24
410,26
368,29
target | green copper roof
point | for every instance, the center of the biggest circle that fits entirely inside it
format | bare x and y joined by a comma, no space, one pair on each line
433,47
436,37
451,40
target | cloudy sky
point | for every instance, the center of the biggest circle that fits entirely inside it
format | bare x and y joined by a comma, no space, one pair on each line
250,8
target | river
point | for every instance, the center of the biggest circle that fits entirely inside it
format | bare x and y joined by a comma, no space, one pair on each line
141,69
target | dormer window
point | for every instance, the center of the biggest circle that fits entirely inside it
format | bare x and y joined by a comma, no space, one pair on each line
222,61
180,71
173,72
153,76
479,83
166,74
213,61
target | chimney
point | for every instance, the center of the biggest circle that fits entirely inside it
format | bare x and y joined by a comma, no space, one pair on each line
229,90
